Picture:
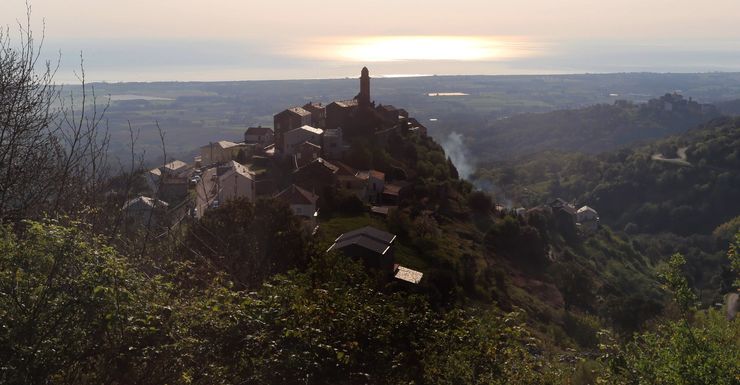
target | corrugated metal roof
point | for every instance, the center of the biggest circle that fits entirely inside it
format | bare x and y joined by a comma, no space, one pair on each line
408,275
362,241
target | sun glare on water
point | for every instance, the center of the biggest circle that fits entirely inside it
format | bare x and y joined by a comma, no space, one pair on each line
397,48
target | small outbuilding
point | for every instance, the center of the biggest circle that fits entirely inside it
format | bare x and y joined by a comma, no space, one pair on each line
372,246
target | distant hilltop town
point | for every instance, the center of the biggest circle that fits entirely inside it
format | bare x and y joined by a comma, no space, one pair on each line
304,156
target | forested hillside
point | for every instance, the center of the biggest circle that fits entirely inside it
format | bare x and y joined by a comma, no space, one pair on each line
675,195
593,129
649,188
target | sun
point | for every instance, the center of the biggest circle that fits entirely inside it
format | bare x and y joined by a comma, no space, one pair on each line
401,48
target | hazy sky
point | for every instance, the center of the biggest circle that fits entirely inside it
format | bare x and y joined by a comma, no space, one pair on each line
246,39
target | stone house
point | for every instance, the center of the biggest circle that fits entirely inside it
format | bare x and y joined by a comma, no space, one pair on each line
297,136
143,211
261,136
338,113
316,175
224,151
374,185
173,169
318,114
235,181
305,153
287,120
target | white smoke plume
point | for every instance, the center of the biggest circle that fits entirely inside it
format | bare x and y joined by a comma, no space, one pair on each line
458,153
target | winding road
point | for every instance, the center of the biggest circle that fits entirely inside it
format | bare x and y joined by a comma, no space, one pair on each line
680,161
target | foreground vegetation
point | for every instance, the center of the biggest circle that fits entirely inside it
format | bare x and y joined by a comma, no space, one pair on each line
73,310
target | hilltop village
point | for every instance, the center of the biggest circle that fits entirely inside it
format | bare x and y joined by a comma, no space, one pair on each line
349,156
305,160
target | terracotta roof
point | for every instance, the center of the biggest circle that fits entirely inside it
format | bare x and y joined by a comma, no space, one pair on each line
259,130
295,195
374,173
377,174
394,188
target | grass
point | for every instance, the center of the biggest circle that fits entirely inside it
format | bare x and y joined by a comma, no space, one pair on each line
331,228
408,257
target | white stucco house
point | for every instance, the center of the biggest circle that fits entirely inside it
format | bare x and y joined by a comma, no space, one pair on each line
235,181
224,151
173,169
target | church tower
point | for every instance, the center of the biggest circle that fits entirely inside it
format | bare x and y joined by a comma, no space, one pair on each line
363,98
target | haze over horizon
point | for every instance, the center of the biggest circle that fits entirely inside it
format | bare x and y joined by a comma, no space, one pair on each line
229,40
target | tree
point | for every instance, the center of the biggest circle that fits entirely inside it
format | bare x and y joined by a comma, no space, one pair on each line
576,285
52,149
73,311
250,241
701,347
480,202
733,254
676,283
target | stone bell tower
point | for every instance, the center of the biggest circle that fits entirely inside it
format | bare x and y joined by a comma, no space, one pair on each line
363,98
